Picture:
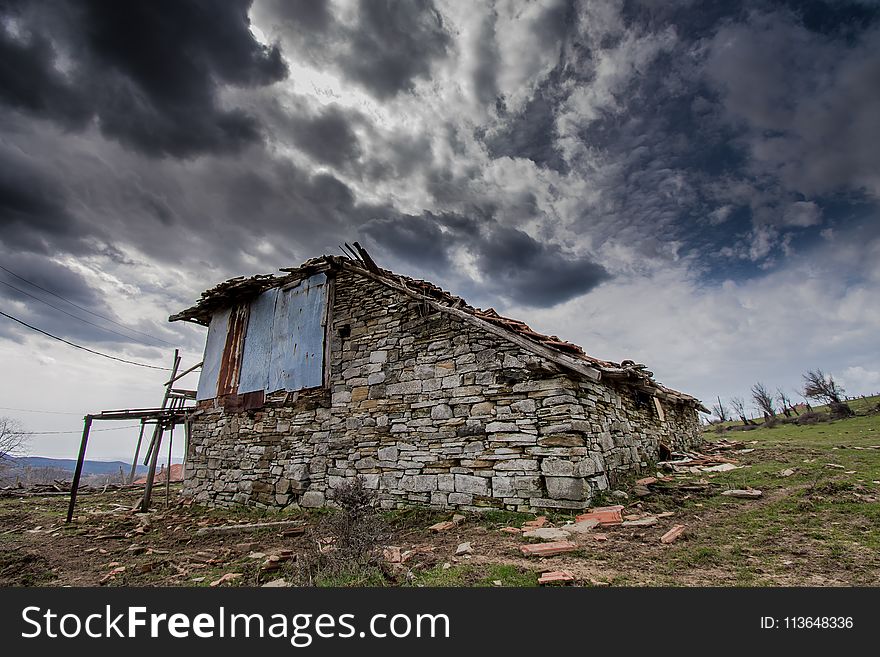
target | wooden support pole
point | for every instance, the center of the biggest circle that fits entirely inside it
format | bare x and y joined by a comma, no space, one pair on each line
87,426
137,451
151,473
168,466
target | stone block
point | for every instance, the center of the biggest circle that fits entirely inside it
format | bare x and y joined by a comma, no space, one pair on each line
471,485
566,488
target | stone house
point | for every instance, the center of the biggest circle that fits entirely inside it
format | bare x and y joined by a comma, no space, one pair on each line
338,368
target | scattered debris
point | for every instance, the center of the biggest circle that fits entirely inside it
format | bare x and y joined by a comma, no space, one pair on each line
672,534
226,529
582,526
749,493
464,548
647,521
228,577
547,534
538,522
392,554
446,525
511,530
556,577
600,537
604,515
548,549
787,472
276,583
837,466
646,481
721,467
619,494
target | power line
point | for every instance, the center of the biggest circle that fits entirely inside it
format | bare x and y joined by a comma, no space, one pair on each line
91,351
54,294
69,314
32,410
78,431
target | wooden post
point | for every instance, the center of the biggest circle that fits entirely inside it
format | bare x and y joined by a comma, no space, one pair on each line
87,426
148,488
137,451
168,466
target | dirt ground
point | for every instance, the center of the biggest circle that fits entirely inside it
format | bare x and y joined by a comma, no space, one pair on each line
817,526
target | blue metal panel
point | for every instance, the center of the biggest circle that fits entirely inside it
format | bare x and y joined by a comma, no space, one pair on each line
255,359
213,355
297,358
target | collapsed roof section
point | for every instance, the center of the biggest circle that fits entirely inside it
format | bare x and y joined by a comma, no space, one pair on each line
565,354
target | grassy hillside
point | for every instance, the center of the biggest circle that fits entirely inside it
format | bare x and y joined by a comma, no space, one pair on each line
817,523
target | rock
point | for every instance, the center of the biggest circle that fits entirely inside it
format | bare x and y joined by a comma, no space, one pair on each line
441,412
463,548
257,555
276,583
641,522
619,494
547,534
787,472
540,521
582,527
749,494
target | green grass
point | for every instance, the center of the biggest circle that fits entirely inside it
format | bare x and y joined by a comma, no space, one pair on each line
474,575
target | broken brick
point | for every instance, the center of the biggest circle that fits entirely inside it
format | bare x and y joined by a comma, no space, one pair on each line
556,576
600,537
672,534
548,549
442,526
537,523
511,530
604,515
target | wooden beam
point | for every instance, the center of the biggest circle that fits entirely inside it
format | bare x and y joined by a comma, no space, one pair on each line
87,426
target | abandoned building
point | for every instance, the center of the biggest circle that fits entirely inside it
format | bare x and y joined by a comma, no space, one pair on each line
338,368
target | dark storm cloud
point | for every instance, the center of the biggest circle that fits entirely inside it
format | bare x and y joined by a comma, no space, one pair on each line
386,49
327,136
148,72
531,132
513,265
33,207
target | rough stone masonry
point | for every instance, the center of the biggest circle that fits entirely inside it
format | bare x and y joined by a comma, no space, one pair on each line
428,406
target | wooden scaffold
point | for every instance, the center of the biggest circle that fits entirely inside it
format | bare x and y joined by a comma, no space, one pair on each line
173,411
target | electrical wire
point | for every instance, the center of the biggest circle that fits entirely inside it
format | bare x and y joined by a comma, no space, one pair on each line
79,431
69,314
54,294
33,410
91,351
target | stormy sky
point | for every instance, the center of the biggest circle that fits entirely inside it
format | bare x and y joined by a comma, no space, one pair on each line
693,185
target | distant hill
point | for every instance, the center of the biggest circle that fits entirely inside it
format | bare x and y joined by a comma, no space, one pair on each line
89,467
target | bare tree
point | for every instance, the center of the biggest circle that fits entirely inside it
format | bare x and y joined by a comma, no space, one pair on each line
823,387
764,400
12,439
784,400
739,407
720,411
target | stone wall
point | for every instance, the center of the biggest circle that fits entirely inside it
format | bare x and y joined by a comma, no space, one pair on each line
429,410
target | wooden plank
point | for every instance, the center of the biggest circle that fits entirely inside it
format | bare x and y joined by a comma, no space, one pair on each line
213,355
258,343
227,379
297,355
